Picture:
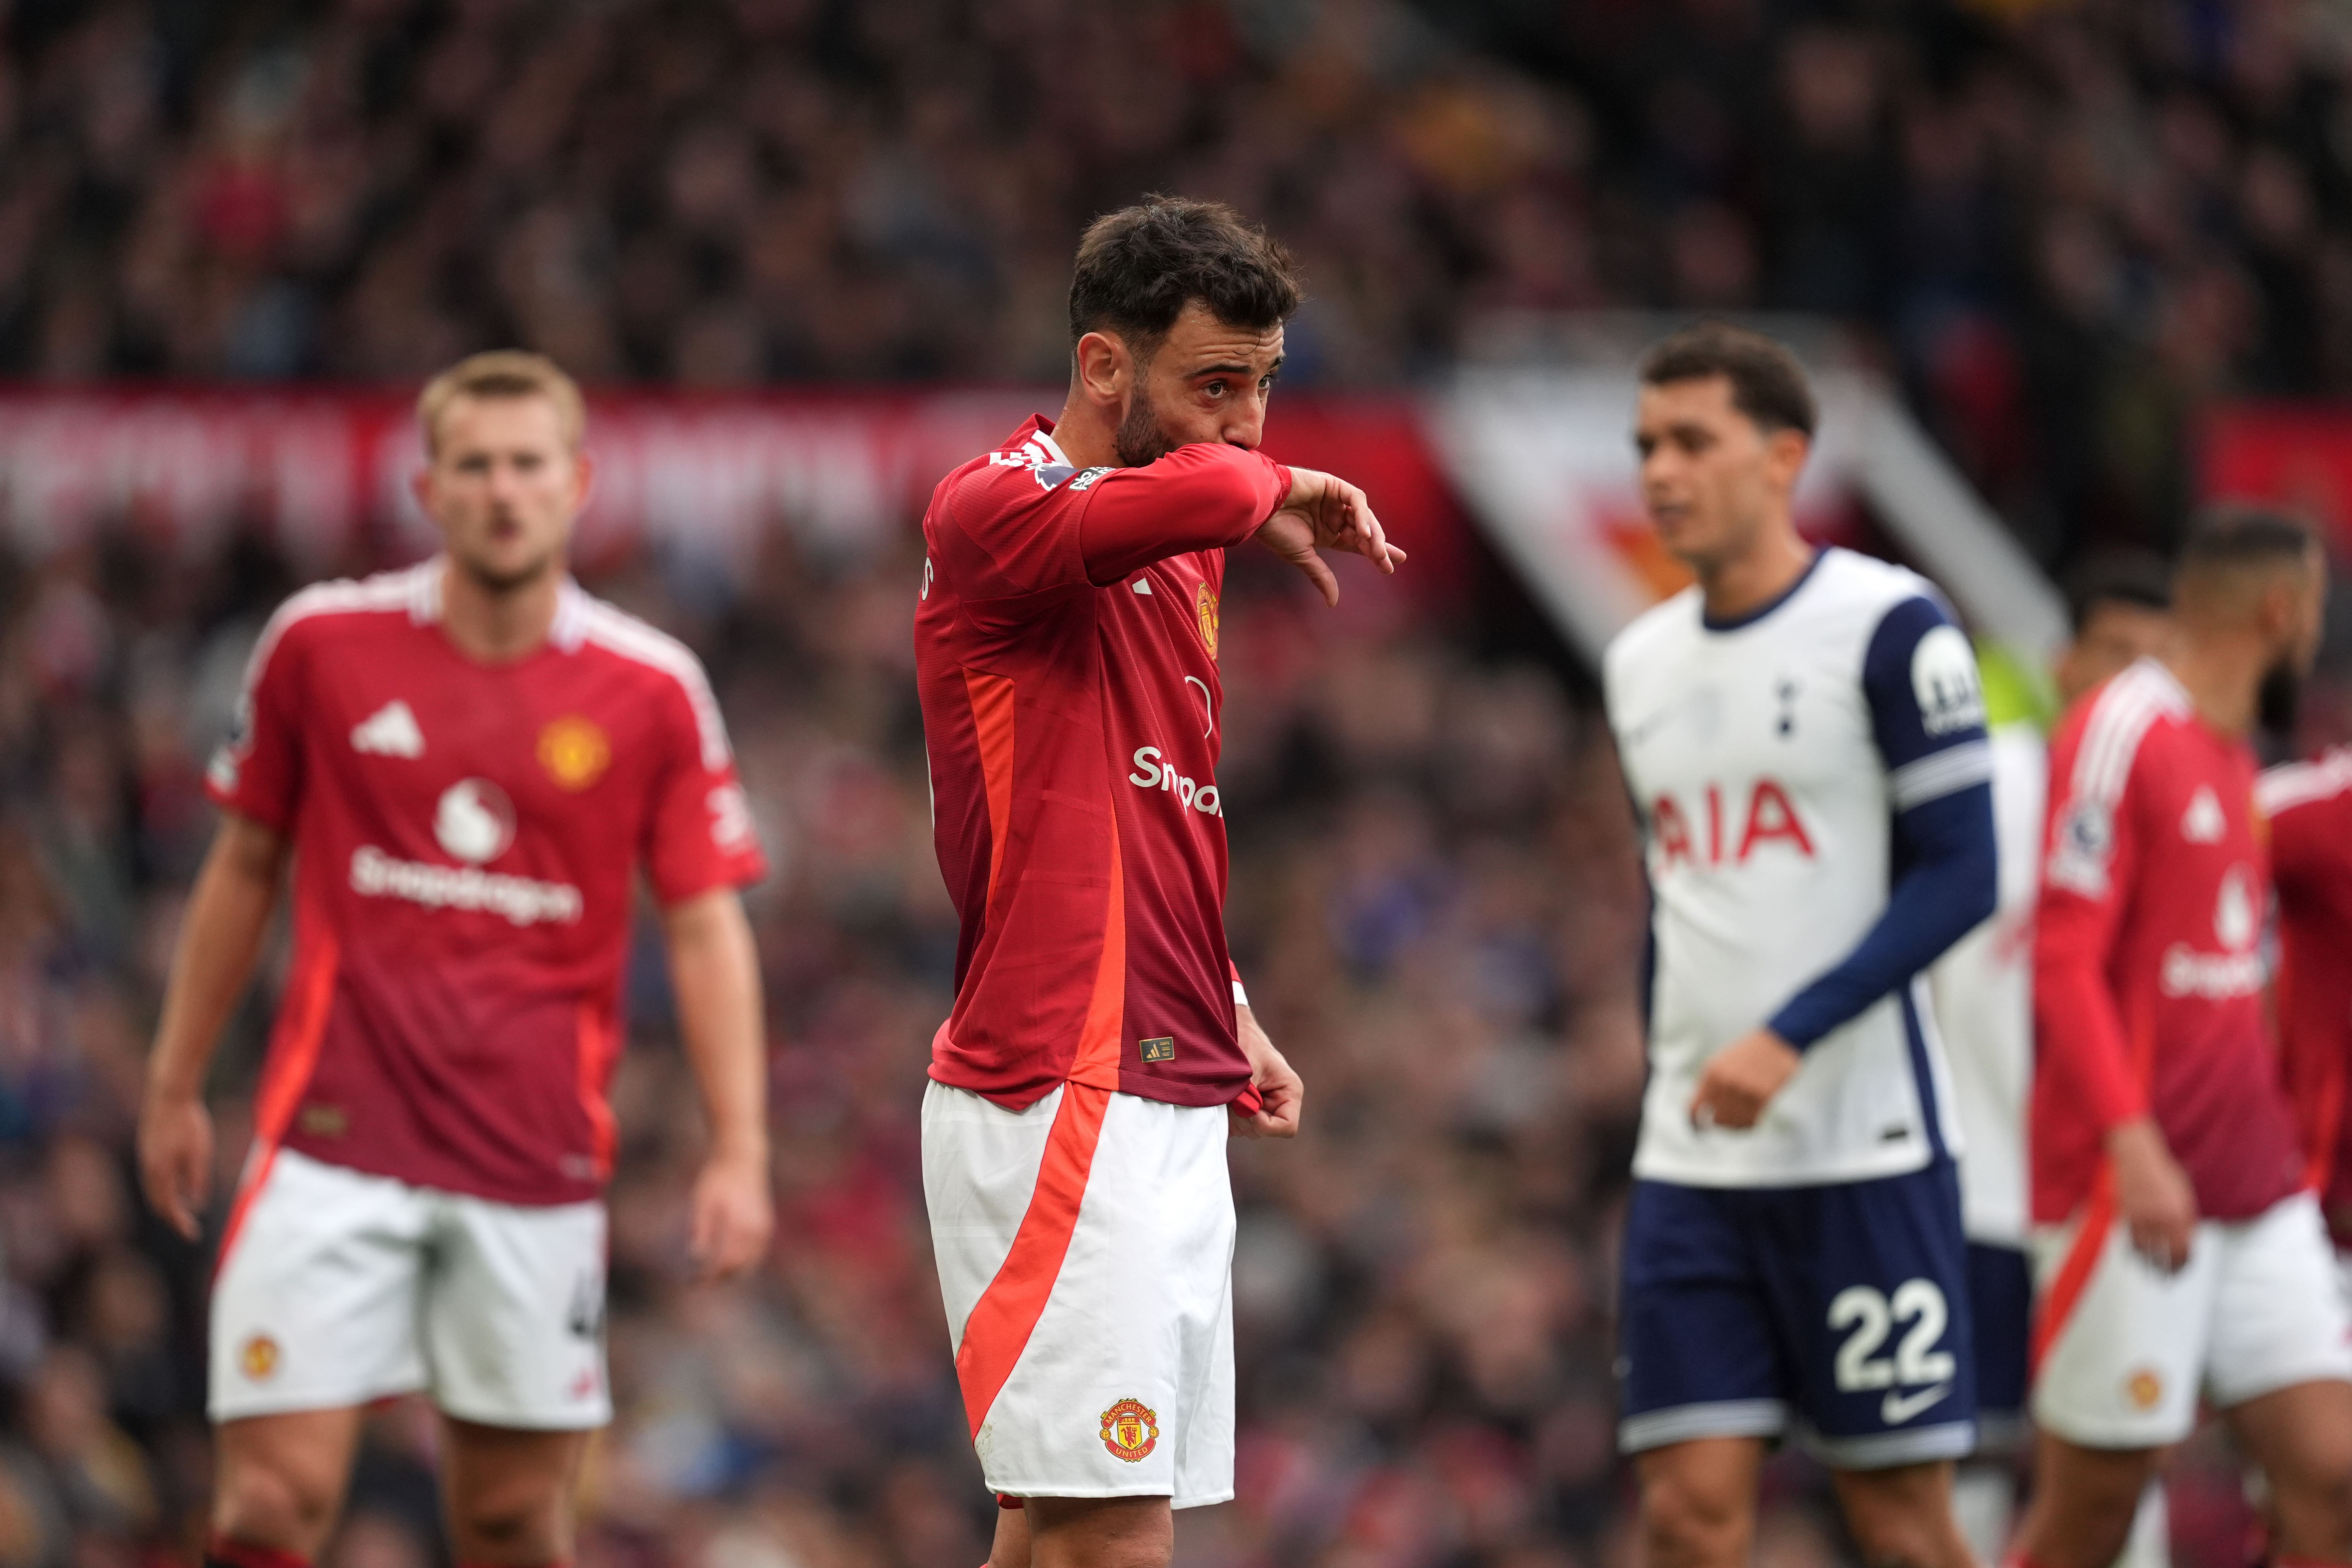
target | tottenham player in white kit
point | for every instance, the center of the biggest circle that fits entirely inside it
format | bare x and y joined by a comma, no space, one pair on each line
1804,736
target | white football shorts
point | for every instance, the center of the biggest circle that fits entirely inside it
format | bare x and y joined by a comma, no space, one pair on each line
2128,1349
335,1287
1086,1249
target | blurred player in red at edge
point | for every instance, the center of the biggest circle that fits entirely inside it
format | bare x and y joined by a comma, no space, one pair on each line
1065,647
2177,1251
2309,805
464,762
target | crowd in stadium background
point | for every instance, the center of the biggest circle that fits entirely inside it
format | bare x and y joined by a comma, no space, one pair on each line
2062,228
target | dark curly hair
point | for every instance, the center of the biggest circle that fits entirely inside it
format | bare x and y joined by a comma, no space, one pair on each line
1768,385
1139,267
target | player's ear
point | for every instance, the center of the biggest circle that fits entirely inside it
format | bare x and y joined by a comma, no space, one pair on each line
583,481
1786,451
1104,366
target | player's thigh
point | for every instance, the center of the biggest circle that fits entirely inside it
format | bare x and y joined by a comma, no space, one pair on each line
513,1315
1205,1427
2278,1317
2000,1309
508,1492
981,1164
2123,1344
1698,1353
1870,1283
1122,1383
279,1479
314,1298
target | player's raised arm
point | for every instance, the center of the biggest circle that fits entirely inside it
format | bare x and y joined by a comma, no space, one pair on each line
220,934
1209,496
1169,405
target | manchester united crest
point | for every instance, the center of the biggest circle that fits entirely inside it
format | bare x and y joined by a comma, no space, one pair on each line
574,751
1204,606
2144,1387
1131,1429
259,1358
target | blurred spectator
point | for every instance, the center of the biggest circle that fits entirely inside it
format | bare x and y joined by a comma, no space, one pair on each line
2066,223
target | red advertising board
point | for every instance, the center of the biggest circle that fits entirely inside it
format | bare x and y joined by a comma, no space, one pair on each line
313,467
2296,457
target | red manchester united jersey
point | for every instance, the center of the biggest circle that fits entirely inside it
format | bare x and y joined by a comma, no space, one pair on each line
2147,969
2309,805
464,837
1065,646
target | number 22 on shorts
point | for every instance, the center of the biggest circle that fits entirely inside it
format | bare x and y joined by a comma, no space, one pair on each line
1916,1364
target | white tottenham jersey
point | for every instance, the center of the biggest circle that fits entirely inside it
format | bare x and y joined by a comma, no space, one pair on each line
1984,1000
1760,761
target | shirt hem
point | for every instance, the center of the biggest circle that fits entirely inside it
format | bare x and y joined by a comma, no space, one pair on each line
556,1195
1651,1169
1021,1095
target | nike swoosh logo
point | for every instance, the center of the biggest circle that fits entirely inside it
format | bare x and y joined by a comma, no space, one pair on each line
1898,1408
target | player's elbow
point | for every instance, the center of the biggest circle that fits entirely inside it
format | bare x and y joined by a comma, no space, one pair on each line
248,850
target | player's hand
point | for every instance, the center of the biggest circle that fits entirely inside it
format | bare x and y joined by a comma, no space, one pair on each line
732,1213
1741,1078
1280,1093
1323,512
175,1158
2153,1194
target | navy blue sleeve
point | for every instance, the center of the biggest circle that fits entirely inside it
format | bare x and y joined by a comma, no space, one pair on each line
1928,715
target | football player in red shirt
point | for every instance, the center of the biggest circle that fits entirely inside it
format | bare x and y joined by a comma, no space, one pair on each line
2309,805
2177,1253
466,764
1073,1131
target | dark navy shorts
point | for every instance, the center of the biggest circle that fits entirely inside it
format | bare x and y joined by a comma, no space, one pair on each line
1837,1314
2001,1299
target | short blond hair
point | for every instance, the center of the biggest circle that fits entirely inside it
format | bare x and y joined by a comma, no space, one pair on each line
503,373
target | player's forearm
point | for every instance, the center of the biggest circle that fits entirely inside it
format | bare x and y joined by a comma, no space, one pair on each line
715,973
220,937
1950,890
2079,1035
1201,497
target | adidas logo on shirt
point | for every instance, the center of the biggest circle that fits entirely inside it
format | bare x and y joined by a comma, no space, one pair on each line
390,732
2203,823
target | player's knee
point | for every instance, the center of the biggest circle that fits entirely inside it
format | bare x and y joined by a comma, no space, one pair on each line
269,1504
515,1524
1117,1534
1892,1539
1686,1521
2318,1494
1901,1518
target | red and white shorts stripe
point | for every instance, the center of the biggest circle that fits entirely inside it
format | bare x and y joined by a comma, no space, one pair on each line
1084,1248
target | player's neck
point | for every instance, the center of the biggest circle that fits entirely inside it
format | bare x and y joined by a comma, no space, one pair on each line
1084,436
1742,585
498,625
2224,677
